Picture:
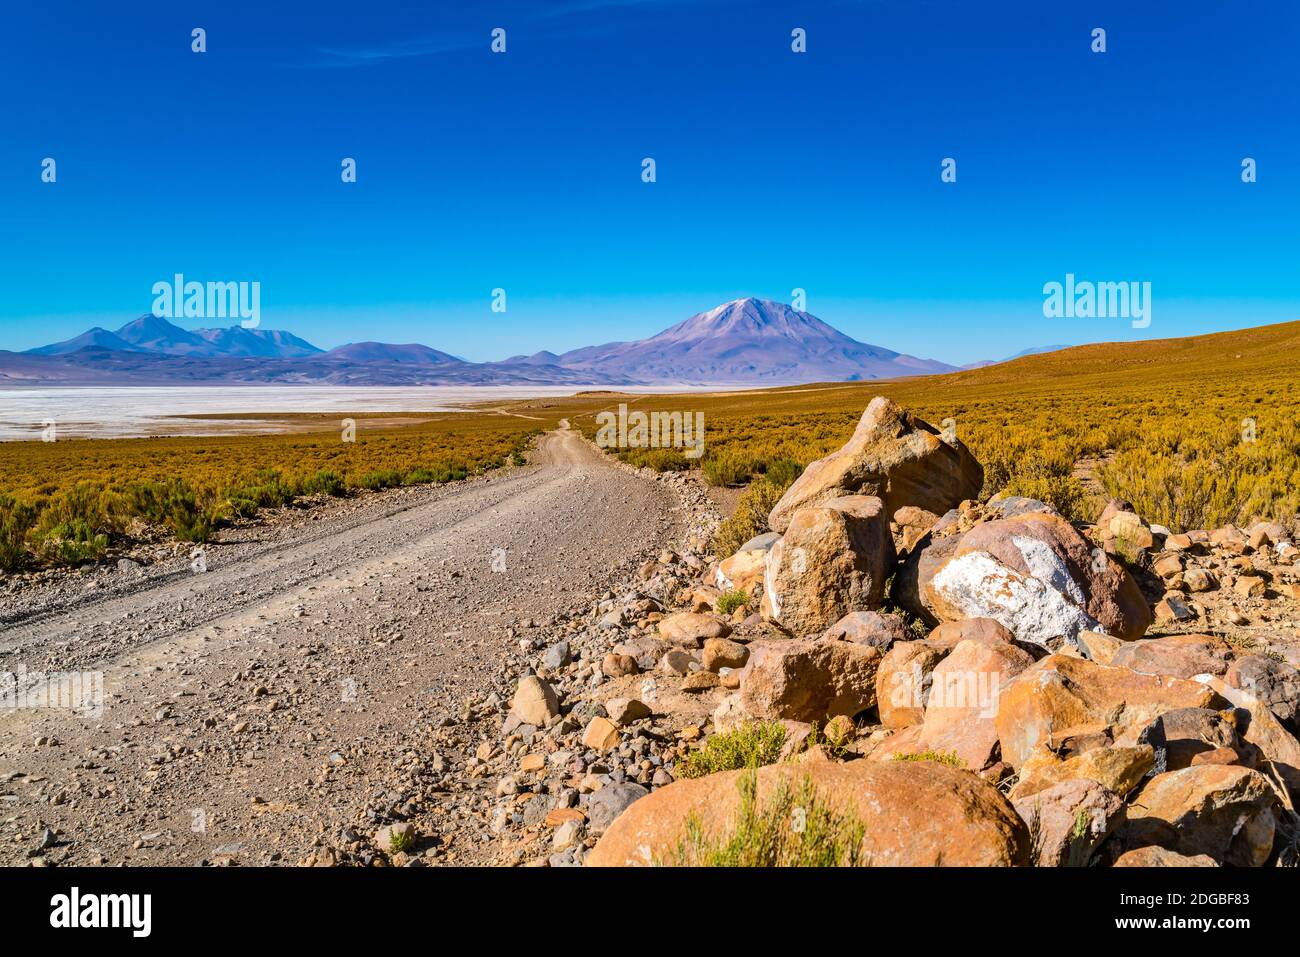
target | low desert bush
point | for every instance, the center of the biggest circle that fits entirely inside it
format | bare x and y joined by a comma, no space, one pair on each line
727,468
729,601
938,757
764,836
17,518
751,744
750,517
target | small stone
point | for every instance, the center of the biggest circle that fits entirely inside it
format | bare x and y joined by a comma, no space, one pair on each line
1168,566
675,662
623,711
532,763
605,805
534,701
700,681
1250,586
722,653
691,629
557,816
601,734
567,835
618,666
557,656
1172,608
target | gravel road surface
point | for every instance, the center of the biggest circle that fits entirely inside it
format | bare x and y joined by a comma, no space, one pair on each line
316,678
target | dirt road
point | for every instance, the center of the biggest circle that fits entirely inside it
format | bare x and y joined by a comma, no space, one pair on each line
317,677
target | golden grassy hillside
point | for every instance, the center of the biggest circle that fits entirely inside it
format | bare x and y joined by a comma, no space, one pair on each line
69,501
1196,432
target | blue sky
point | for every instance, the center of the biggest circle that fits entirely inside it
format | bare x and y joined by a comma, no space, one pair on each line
775,170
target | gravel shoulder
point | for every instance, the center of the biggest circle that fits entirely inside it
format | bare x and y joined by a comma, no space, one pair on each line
321,676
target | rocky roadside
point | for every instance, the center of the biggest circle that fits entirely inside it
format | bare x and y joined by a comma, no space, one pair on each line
328,683
553,754
964,682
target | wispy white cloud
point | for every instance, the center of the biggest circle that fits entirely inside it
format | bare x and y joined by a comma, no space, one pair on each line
339,57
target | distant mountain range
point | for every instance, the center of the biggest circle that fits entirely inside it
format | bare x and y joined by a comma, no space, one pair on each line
744,342
155,336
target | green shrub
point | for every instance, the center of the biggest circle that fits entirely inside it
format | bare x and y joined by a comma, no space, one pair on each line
770,837
17,518
938,757
750,517
190,514
748,745
268,489
384,478
729,601
782,472
400,841
726,468
661,460
74,526
73,542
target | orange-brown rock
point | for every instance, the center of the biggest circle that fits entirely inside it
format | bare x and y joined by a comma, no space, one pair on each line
833,559
1061,692
894,456
809,680
870,628
1117,769
1258,726
949,634
1069,820
1180,656
691,628
903,682
963,699
1155,856
914,814
1222,811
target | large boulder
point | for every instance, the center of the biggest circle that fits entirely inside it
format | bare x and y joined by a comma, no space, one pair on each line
903,682
692,628
1260,728
964,691
833,559
1119,770
1155,856
1222,811
1038,577
1061,694
1276,683
809,680
913,814
1182,656
870,628
1069,821
744,570
950,634
1179,737
892,455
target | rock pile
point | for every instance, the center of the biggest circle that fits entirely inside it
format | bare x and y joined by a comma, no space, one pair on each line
974,683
